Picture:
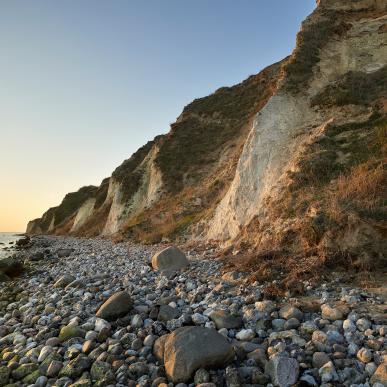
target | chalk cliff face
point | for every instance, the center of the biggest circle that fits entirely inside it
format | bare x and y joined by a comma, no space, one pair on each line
271,162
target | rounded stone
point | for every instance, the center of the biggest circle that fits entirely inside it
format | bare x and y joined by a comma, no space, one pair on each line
319,359
364,355
331,313
245,334
64,280
292,323
170,259
223,319
282,370
189,348
288,311
69,332
118,305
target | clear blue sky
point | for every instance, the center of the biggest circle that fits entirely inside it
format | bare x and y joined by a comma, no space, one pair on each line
84,83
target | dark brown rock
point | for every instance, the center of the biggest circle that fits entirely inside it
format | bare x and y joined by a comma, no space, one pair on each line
116,306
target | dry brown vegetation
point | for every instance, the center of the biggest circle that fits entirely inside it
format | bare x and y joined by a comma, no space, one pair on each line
331,215
363,190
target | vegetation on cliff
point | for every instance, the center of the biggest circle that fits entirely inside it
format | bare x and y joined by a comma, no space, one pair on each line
332,212
356,88
55,217
71,202
206,125
317,30
197,158
129,173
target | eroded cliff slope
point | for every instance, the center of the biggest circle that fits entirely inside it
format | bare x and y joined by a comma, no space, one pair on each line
175,179
312,175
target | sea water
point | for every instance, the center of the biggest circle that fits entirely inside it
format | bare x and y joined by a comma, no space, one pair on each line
7,240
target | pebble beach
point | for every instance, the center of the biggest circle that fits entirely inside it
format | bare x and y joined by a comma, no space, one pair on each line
88,312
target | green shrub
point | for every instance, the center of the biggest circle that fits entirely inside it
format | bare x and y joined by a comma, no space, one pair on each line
128,173
207,124
310,40
101,193
71,203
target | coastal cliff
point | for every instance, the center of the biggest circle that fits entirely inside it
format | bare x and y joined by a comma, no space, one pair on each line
173,180
311,174
292,159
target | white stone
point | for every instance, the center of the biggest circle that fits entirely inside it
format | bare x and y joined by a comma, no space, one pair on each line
149,340
223,331
101,324
199,319
245,335
137,321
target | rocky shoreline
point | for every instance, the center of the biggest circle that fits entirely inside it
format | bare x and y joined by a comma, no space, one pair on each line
191,327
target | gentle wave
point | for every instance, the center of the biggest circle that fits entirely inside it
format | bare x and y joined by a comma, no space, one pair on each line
7,239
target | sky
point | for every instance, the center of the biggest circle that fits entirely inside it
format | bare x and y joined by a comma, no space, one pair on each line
85,83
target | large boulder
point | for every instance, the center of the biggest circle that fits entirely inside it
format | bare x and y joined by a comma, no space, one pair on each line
159,347
118,305
189,348
169,259
11,267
